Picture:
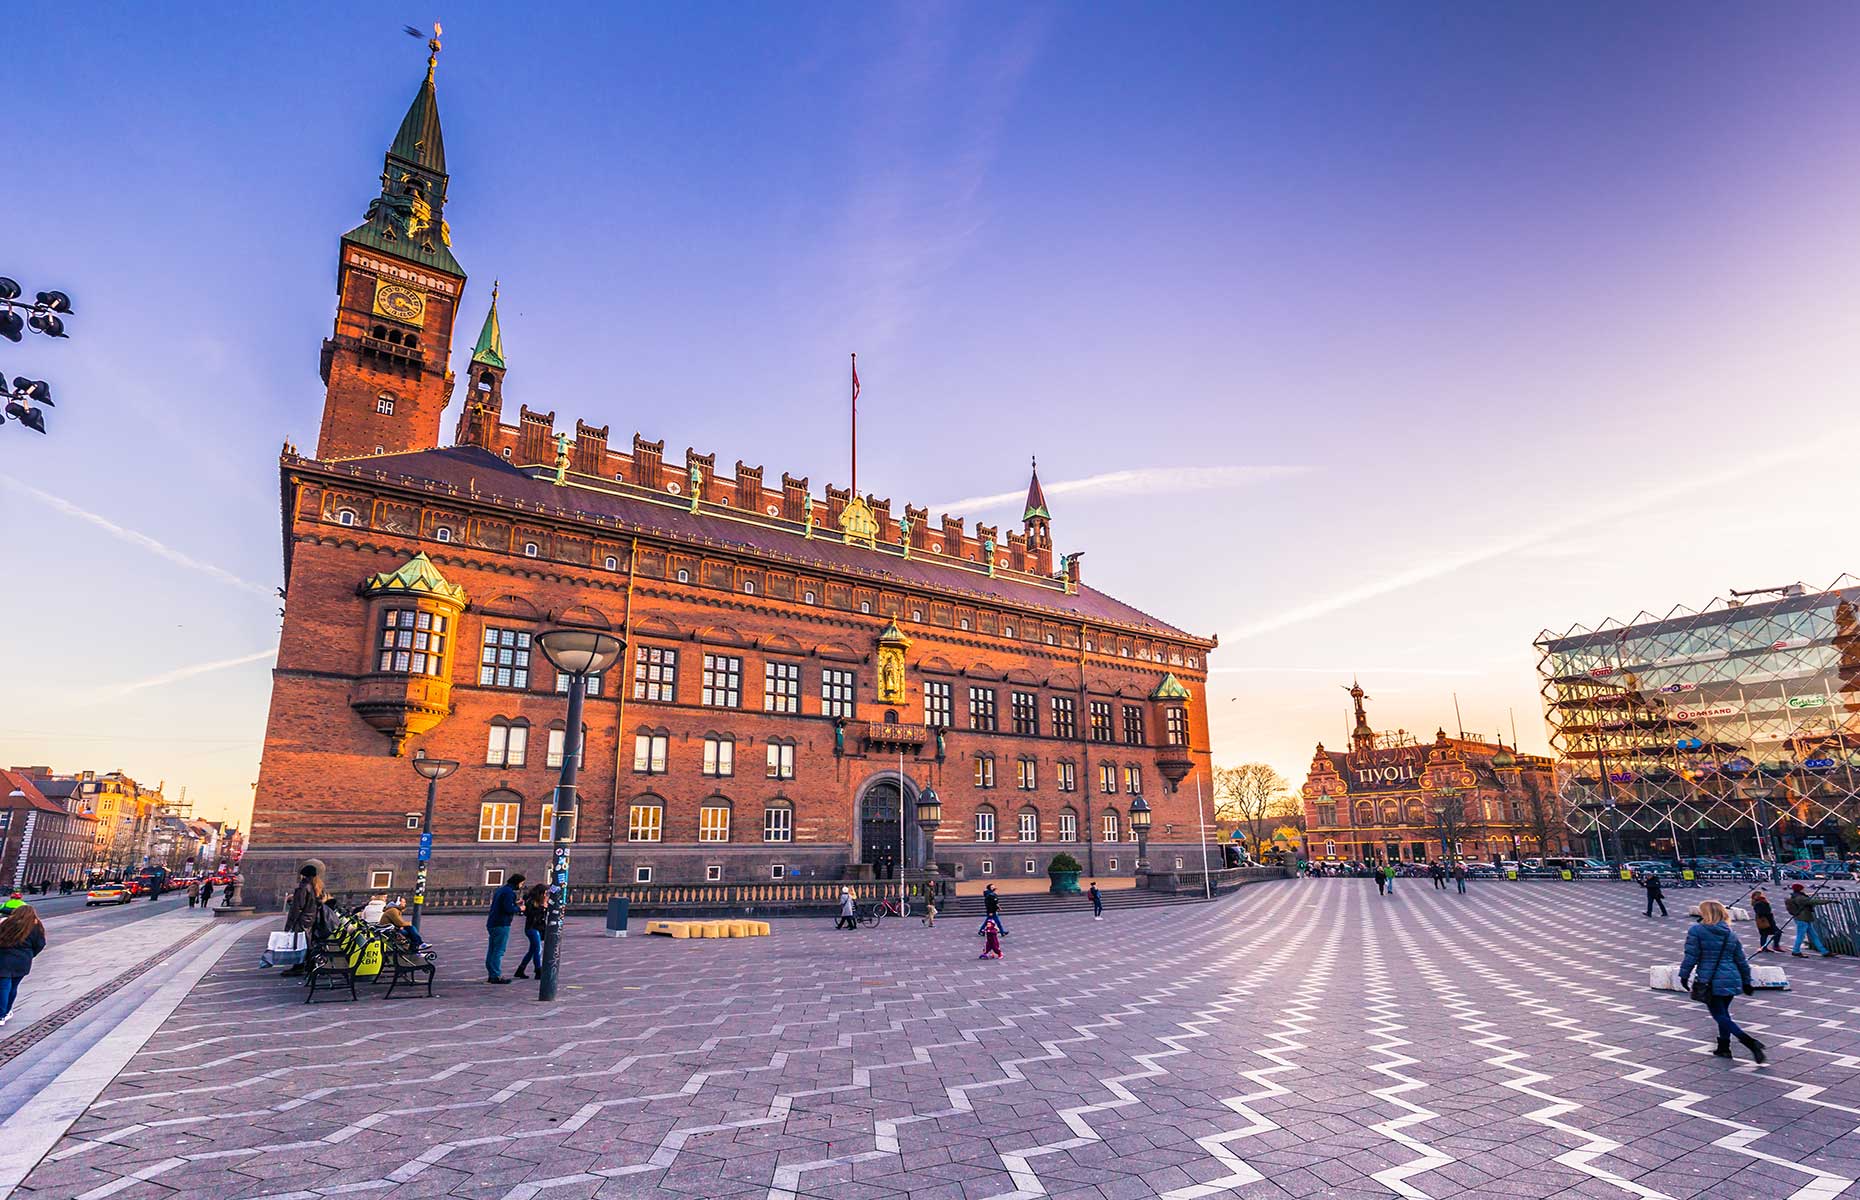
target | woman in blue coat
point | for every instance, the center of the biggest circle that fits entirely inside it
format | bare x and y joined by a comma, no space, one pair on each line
22,937
1714,952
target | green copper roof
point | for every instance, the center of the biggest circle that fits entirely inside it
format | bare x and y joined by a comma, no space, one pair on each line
490,347
415,577
1170,689
419,141
436,253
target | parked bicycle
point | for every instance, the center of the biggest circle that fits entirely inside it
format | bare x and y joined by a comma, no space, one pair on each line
875,913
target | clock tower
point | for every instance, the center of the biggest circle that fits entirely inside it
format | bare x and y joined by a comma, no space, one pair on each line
398,289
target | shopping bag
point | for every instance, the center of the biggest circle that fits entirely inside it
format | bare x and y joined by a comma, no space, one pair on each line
1768,978
1741,914
370,964
283,950
1664,979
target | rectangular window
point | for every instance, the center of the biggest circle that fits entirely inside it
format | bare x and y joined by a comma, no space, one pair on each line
642,874
777,870
1068,827
1110,827
561,685
1065,717
1178,726
1133,780
984,771
385,406
497,822
713,824
643,823
1107,778
1026,713
412,642
508,746
939,707
505,660
1028,774
781,687
985,826
649,753
982,709
558,745
781,760
777,826
988,866
1114,864
545,829
836,693
1029,826
723,681
1068,778
1100,720
380,879
494,877
719,756
1133,725
655,674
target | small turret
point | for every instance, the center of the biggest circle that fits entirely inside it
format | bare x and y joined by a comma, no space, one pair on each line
484,395
1037,524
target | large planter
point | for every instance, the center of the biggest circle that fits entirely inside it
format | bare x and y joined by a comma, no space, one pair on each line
1065,883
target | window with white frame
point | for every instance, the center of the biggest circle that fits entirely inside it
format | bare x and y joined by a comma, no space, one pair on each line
644,822
558,746
723,681
655,674
713,872
442,534
939,710
384,404
593,688
1100,720
530,550
778,825
1114,864
494,877
1108,827
412,642
380,879
719,755
779,870
345,516
505,660
1133,725
610,563
781,687
545,828
836,692
642,874
1176,719
1107,779
497,820
1027,771
508,744
649,751
1133,780
781,760
1065,718
714,822
1067,776
1026,712
988,866
984,770
1029,825
1068,826
984,824
982,709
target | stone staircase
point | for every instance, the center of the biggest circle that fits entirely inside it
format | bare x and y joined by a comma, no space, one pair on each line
1047,902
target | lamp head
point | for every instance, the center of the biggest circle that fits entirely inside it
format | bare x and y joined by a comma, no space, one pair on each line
580,651
434,768
1140,814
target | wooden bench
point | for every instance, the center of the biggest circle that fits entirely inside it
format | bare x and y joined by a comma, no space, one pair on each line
408,966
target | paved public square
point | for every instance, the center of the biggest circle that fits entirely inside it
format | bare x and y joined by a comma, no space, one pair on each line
1300,1038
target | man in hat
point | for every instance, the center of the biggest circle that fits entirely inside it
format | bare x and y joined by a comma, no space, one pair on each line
1801,906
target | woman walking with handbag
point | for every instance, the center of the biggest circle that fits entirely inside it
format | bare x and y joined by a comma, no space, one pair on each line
22,938
535,920
1716,970
1769,933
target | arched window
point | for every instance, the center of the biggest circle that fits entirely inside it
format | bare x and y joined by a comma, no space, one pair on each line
749,587
985,823
649,746
781,758
1068,825
509,743
719,754
345,516
778,821
865,606
684,576
486,381
1108,825
529,550
611,563
645,819
808,597
917,614
1365,813
984,771
1390,814
442,534
384,404
1027,824
1415,815
498,816
558,745
714,820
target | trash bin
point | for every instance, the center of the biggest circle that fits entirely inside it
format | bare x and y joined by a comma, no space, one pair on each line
616,916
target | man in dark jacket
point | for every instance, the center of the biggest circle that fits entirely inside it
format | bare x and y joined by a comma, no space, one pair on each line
991,907
1801,906
1459,877
504,909
1656,892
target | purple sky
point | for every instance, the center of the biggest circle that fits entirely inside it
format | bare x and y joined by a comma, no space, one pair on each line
1374,338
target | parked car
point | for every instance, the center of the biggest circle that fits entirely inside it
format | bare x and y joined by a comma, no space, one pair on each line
108,893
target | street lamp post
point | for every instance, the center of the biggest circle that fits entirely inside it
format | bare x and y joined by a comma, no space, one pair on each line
432,770
1140,825
929,819
576,653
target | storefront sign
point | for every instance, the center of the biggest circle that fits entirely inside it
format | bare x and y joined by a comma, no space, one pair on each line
1671,688
1819,764
1708,713
1806,701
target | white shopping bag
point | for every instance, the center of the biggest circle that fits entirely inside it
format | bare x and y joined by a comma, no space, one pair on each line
1768,977
285,941
372,913
284,950
1664,979
1741,914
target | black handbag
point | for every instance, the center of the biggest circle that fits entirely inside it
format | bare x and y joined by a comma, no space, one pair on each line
1702,981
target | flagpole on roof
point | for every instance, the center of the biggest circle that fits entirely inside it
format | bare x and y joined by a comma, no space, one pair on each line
855,427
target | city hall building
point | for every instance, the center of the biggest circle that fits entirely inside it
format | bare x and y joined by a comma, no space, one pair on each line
1393,798
1710,728
799,666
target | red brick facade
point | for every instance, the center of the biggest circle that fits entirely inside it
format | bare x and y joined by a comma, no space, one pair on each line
759,611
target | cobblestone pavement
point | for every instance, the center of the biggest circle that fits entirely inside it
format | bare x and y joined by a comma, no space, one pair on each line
1304,1038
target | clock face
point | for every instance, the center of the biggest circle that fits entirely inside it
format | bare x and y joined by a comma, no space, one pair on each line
400,302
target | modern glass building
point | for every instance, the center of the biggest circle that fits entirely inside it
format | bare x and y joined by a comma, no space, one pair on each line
1732,730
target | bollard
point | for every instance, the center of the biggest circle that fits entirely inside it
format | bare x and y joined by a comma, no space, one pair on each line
616,916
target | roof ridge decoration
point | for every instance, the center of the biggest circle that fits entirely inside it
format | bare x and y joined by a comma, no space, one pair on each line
1170,689
415,577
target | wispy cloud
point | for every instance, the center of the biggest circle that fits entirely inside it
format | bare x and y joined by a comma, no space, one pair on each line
141,540
118,690
1145,481
1448,563
1346,672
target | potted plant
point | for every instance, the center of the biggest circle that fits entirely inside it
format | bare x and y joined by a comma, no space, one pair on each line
1064,873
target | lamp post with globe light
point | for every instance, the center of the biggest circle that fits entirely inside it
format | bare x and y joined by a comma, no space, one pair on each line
1140,825
576,653
432,770
929,819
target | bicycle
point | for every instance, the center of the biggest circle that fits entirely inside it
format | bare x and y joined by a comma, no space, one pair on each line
873,914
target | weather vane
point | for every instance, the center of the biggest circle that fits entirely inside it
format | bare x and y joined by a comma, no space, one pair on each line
432,45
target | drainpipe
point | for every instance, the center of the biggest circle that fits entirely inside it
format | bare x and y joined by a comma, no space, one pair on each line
1081,729
625,689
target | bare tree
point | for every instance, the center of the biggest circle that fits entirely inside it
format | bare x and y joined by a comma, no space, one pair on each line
1252,795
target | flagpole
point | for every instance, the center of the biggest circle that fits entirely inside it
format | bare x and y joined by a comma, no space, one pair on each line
1207,884
855,426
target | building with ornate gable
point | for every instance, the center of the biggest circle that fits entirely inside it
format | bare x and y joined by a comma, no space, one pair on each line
799,666
1391,798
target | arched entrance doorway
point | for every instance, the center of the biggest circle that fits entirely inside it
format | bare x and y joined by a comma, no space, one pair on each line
886,814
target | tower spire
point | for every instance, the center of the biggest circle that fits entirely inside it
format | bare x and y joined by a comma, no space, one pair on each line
1362,737
1036,497
490,348
1037,524
408,219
